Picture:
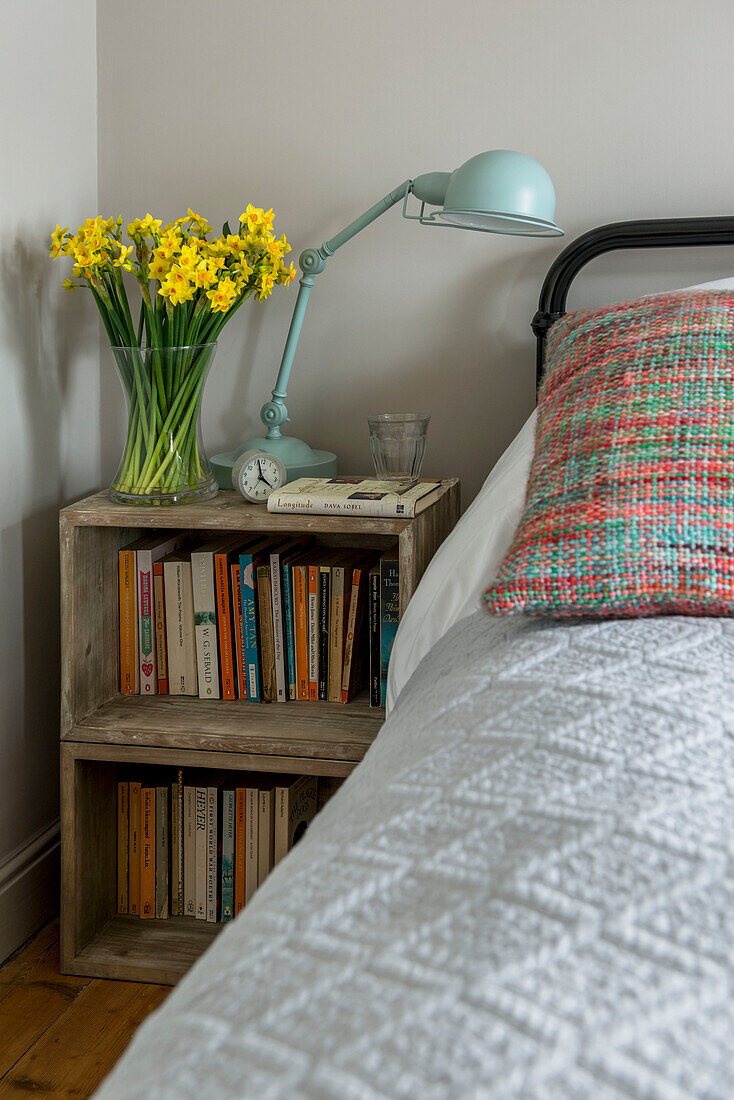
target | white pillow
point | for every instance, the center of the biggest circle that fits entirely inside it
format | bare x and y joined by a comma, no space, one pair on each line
465,564
468,561
717,284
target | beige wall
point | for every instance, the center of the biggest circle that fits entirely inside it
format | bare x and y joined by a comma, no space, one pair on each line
49,442
319,108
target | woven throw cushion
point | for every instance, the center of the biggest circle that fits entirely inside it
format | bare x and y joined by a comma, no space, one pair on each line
630,501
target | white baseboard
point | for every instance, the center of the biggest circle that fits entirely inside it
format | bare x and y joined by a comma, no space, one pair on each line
29,888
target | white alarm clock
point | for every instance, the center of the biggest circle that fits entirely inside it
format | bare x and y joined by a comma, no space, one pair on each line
256,474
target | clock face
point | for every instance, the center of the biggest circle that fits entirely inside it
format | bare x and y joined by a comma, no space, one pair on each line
258,474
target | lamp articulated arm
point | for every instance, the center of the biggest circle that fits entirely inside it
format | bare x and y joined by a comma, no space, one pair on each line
430,188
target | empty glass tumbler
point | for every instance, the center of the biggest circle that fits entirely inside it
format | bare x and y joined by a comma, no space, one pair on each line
398,442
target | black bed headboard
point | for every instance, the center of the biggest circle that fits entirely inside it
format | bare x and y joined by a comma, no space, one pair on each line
658,233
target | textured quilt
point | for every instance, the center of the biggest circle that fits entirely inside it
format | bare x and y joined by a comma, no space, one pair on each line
524,891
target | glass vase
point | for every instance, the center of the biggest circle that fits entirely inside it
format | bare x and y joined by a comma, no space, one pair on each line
164,461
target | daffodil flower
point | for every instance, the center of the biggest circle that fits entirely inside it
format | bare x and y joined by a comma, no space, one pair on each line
187,258
57,241
222,295
186,267
121,259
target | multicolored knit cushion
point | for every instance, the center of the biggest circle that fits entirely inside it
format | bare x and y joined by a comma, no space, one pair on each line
630,501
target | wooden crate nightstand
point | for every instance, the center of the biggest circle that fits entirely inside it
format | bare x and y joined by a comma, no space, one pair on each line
102,730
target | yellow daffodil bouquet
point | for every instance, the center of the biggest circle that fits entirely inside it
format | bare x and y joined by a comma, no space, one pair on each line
190,284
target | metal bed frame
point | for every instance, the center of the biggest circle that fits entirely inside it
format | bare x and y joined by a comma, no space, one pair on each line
657,233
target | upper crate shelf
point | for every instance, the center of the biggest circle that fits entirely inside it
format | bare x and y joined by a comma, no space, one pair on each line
91,533
228,512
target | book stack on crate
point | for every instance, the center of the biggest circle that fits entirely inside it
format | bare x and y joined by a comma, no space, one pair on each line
255,619
198,844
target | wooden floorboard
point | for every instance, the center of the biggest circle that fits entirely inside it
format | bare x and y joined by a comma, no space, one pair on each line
37,960
61,1035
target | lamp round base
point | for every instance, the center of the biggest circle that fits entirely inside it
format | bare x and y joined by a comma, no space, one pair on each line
299,459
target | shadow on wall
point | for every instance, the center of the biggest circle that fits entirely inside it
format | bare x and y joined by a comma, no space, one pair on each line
43,330
237,421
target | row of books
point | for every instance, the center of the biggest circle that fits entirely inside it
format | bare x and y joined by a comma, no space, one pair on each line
199,844
252,618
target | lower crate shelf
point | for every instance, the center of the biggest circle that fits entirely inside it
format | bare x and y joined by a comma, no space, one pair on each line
95,941
138,950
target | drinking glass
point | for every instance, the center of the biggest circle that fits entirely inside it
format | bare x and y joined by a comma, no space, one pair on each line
398,443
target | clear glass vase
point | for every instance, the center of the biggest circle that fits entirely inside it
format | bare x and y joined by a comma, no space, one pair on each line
164,461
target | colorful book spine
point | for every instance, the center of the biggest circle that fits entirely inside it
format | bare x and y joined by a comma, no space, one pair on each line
212,853
175,842
201,853
276,597
294,809
205,623
252,840
300,621
355,642
228,843
161,852
337,630
374,637
134,850
177,850
123,842
266,821
225,626
147,855
389,615
250,618
240,837
313,632
324,607
182,675
239,638
280,824
146,624
189,851
290,632
128,622
267,645
159,611
146,556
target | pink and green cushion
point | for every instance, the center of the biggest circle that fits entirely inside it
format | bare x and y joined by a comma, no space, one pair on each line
630,501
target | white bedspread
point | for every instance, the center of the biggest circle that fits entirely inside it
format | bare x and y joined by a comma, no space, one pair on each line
525,890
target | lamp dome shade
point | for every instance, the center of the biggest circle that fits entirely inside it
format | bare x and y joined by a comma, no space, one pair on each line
503,192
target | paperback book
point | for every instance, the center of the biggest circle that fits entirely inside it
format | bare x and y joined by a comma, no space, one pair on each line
355,496
153,550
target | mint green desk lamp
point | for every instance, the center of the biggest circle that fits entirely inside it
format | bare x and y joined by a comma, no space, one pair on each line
495,192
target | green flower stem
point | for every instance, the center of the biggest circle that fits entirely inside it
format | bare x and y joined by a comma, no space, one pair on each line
185,394
131,458
177,445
